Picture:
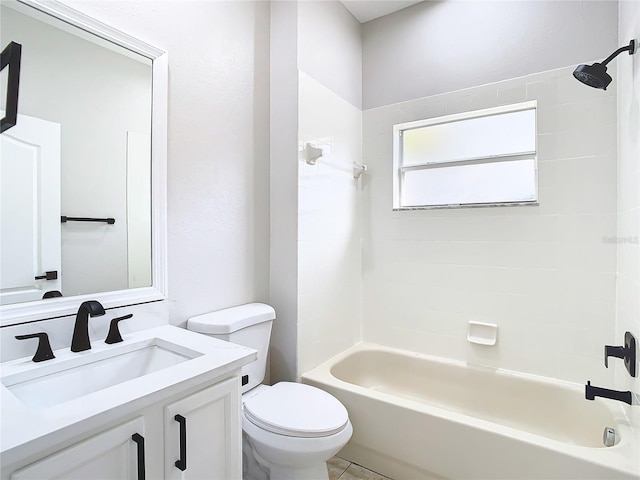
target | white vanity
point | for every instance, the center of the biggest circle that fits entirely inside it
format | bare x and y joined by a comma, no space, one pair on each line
164,403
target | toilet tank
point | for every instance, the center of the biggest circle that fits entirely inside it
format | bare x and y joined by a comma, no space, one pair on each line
248,325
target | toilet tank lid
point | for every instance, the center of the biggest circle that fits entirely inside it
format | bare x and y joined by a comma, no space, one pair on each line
231,319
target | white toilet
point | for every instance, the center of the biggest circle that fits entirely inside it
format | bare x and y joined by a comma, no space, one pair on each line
289,430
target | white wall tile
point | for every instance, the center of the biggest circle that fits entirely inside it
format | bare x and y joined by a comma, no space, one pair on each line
329,227
543,273
627,81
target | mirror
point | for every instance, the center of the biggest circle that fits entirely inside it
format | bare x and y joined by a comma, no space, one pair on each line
83,168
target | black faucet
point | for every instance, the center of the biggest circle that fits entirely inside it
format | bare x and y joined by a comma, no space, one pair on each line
591,392
80,341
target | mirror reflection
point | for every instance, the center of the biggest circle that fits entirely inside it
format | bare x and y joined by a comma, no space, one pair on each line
76,167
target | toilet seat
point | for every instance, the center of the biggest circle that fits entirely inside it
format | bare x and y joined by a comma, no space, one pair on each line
296,410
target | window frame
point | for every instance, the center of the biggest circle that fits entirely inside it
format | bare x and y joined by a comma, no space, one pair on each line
399,169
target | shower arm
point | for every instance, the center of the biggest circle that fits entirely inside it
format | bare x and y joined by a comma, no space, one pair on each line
631,48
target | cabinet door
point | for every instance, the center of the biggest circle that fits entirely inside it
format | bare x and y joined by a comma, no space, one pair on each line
203,434
111,454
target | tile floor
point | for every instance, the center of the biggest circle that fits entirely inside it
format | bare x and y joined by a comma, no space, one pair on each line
340,469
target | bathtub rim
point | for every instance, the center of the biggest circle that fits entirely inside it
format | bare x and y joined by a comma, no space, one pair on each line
618,458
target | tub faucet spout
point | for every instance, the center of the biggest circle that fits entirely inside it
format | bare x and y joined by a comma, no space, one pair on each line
80,340
591,392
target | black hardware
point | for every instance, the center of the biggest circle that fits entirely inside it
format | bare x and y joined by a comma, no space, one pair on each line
626,352
80,340
139,439
245,380
65,219
44,351
182,463
51,275
114,333
11,56
591,392
51,294
596,75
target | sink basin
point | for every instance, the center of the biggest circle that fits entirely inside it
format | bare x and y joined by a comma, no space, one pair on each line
62,380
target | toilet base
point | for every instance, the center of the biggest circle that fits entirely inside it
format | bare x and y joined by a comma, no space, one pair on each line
254,467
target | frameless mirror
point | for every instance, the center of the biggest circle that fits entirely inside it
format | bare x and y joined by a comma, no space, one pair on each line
83,168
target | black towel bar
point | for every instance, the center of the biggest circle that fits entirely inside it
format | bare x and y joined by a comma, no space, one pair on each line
65,219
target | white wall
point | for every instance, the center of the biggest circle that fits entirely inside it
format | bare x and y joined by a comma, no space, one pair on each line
330,47
627,76
316,70
441,46
112,96
329,226
542,273
329,115
218,149
284,190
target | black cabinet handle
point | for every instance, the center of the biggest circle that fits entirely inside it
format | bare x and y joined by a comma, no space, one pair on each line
182,463
139,439
51,275
65,219
10,57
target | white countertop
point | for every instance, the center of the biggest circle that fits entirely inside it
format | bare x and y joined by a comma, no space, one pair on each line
40,428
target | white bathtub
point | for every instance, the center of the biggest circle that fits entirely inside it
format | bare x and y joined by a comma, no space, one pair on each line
416,416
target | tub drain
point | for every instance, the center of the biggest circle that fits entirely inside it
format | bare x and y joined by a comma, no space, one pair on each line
609,437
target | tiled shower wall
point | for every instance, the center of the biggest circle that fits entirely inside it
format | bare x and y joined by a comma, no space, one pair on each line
544,274
627,74
329,233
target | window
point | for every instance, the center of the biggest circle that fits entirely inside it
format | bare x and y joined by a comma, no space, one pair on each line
481,158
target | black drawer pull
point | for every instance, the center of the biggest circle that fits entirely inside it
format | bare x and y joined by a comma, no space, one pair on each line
139,439
182,463
52,275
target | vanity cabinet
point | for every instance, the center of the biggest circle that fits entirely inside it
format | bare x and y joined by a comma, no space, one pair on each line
109,454
203,435
205,444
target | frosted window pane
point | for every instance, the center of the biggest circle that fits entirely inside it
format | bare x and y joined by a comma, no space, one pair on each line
469,184
506,133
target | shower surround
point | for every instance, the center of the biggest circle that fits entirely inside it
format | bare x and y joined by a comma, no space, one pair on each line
546,274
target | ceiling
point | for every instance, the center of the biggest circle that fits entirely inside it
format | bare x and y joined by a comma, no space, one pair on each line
365,10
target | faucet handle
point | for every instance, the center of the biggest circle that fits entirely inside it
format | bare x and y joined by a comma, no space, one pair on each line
114,332
627,352
613,351
43,351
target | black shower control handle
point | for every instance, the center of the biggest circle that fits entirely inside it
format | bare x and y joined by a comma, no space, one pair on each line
627,352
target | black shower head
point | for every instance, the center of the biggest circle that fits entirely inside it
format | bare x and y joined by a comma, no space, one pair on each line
596,75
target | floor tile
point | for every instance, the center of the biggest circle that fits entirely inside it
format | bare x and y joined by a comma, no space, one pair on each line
337,467
356,472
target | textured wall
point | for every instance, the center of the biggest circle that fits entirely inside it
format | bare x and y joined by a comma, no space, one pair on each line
331,47
441,46
283,294
322,40
218,151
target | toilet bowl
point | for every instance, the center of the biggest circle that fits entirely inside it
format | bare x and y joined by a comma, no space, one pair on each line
290,430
